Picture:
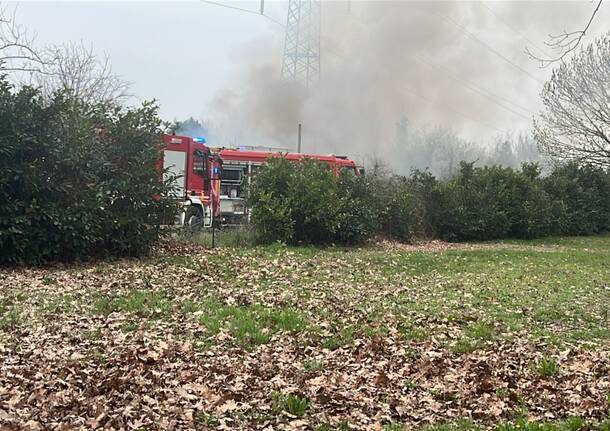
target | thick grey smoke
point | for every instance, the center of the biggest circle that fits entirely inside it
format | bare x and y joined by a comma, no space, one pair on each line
191,127
459,65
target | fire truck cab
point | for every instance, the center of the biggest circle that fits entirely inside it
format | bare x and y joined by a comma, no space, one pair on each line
196,172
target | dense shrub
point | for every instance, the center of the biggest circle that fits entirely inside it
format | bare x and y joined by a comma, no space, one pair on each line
583,193
486,203
498,202
397,212
305,203
358,217
77,180
398,207
268,197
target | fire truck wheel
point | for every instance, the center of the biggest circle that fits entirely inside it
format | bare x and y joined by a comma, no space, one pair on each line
193,219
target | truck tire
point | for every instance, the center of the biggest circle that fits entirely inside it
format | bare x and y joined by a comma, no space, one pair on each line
193,219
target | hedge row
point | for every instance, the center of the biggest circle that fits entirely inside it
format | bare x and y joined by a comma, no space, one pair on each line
497,202
77,180
305,204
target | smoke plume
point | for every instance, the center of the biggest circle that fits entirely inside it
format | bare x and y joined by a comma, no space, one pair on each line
459,65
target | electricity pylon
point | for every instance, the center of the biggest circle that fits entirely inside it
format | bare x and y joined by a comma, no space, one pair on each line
302,44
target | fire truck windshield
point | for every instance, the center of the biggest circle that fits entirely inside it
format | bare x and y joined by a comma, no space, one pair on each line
199,163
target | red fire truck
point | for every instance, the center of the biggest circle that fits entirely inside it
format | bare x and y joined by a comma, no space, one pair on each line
197,179
211,183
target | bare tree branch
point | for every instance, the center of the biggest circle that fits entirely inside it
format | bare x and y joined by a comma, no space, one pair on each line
76,68
576,122
17,51
72,67
565,42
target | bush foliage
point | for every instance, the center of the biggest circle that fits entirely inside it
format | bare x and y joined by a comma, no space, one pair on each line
77,180
496,202
305,203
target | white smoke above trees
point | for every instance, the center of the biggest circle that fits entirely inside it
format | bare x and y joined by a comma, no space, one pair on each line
458,71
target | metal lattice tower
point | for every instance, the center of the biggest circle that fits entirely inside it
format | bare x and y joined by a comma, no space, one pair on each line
302,44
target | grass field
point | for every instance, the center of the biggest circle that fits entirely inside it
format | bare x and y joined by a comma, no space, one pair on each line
512,335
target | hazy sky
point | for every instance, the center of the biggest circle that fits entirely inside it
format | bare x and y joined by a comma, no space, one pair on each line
180,53
430,61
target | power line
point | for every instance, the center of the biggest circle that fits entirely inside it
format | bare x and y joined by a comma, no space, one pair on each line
514,30
461,114
231,7
468,84
241,9
323,44
486,45
481,90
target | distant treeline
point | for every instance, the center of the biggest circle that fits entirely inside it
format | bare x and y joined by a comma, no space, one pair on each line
440,150
306,204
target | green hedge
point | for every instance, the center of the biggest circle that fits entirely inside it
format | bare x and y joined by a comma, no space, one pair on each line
497,202
77,180
304,203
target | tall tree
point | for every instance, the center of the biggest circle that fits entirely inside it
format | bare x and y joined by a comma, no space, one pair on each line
575,124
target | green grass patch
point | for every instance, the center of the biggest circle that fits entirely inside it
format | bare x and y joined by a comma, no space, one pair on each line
414,333
574,423
232,237
341,337
546,367
250,325
343,425
207,419
59,304
475,336
92,334
313,365
292,404
141,303
550,291
11,317
393,426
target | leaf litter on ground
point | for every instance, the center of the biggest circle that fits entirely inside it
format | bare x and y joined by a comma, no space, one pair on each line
211,339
